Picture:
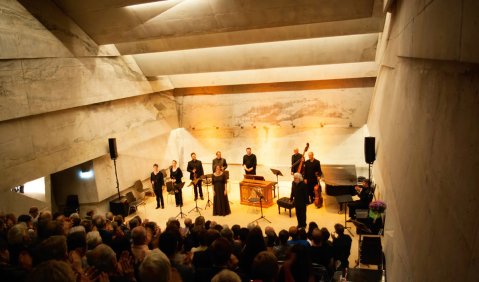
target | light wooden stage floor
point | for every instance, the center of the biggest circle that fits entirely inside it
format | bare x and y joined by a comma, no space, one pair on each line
327,216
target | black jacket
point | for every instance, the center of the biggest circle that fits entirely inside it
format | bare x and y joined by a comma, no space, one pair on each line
299,194
199,168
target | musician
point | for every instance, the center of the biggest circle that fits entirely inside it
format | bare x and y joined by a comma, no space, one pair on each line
175,175
365,197
157,183
299,196
295,160
219,161
221,205
249,162
312,174
195,168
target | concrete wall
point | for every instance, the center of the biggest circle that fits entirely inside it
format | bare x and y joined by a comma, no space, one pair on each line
424,116
62,96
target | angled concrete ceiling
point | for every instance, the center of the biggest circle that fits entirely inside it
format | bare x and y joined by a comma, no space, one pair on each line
207,47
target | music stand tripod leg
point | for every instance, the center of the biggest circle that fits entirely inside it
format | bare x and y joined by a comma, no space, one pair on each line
345,221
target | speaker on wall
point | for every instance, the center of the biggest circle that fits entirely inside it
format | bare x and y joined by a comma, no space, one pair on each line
370,149
112,145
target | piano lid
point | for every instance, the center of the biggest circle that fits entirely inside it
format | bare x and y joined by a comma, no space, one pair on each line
339,175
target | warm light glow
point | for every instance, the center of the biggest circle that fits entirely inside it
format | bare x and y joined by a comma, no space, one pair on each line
36,186
86,175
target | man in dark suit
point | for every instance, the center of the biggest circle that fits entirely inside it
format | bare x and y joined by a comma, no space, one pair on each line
365,197
299,196
295,160
249,162
312,174
195,168
157,183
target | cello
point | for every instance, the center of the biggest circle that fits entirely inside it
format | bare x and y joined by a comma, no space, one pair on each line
301,161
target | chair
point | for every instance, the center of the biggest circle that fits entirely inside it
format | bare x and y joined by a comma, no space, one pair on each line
133,203
170,189
370,250
141,190
72,205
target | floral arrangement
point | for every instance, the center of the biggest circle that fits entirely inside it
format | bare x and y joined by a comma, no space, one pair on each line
378,206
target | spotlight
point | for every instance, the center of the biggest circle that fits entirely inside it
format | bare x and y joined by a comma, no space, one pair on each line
350,124
322,125
217,127
293,126
241,127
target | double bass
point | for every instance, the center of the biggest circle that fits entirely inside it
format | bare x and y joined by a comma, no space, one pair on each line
318,199
301,161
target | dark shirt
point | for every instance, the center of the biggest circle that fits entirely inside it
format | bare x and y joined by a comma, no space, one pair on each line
158,180
199,168
250,162
221,162
299,194
342,248
312,169
322,254
176,175
365,195
295,158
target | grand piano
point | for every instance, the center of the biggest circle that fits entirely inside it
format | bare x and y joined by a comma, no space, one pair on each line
252,187
339,179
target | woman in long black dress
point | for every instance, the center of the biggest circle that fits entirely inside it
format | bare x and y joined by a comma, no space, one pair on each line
176,174
221,206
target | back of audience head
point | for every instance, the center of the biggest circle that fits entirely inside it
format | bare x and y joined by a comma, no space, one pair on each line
302,234
293,232
265,267
52,271
211,236
283,237
77,241
155,267
54,247
93,239
325,234
316,236
339,229
103,258
221,252
169,242
138,235
227,234
226,275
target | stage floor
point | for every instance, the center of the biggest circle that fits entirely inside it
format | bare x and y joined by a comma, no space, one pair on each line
327,216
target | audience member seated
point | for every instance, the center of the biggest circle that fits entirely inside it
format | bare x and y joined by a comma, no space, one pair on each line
281,250
294,233
139,249
322,249
341,246
265,267
253,246
226,276
156,268
298,266
59,248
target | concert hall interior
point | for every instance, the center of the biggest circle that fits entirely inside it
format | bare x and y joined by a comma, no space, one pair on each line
172,77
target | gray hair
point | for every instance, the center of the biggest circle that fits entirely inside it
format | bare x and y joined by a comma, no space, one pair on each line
103,258
155,267
93,239
17,234
298,175
226,275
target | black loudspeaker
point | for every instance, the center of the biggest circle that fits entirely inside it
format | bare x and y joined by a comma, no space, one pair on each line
370,149
112,145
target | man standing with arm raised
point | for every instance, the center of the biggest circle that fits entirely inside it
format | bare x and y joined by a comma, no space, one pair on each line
249,162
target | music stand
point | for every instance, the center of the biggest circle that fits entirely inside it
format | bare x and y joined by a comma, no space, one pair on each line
208,183
181,214
344,200
277,173
196,208
260,195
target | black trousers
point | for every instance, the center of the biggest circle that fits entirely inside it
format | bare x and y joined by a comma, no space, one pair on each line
159,198
301,215
179,197
196,188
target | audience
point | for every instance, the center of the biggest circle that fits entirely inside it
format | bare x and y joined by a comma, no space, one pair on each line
39,246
